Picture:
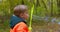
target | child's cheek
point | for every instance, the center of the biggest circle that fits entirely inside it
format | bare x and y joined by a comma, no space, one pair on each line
26,16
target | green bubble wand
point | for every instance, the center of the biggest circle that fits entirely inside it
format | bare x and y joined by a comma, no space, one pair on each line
30,25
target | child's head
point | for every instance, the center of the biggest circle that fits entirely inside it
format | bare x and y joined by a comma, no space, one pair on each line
21,11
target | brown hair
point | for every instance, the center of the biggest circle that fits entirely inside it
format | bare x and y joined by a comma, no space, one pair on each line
20,9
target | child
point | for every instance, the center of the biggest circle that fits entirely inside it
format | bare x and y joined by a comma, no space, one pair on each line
18,23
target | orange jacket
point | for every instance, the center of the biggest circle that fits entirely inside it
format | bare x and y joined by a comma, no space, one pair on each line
20,27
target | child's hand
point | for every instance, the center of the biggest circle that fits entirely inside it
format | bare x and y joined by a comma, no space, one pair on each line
30,29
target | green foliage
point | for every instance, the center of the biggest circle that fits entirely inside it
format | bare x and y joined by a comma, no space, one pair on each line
42,7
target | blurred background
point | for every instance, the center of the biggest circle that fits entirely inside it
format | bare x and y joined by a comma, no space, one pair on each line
46,16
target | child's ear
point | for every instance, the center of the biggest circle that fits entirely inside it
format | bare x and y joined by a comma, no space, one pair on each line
21,15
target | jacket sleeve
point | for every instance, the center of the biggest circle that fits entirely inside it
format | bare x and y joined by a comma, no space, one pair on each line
22,28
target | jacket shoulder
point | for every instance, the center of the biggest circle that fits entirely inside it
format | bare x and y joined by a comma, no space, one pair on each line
19,25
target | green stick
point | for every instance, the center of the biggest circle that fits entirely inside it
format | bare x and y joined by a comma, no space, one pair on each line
30,28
